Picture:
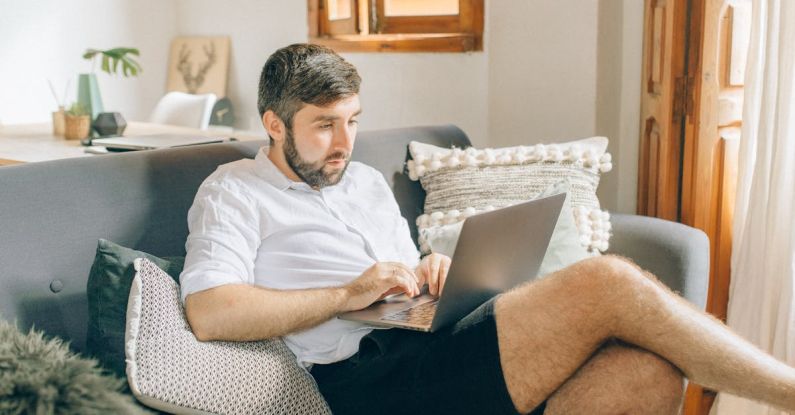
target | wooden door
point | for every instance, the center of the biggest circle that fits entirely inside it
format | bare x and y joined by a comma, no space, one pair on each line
663,108
720,33
691,116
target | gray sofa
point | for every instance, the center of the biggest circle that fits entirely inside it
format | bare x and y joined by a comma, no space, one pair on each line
52,213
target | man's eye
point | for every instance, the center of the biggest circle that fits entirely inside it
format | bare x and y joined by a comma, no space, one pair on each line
325,126
353,122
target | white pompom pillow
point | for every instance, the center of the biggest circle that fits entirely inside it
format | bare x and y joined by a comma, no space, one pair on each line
462,182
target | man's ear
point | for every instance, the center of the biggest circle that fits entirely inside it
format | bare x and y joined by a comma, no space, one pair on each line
274,126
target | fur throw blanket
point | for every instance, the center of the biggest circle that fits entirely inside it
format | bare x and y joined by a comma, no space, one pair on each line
41,376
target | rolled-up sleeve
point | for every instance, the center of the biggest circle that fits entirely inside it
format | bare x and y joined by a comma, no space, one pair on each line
223,239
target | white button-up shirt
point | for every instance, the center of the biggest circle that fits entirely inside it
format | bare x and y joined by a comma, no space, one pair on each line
250,224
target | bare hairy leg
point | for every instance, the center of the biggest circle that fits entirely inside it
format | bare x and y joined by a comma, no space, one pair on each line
549,328
620,379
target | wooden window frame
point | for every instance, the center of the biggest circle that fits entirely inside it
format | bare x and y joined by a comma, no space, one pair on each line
381,33
340,26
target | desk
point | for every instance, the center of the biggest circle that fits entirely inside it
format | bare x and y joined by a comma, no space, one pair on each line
26,143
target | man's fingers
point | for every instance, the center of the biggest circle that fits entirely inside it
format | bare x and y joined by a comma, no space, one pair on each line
433,278
426,273
442,280
403,267
444,267
422,273
406,279
393,290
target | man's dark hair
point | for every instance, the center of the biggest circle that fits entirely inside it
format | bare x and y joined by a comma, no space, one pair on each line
302,74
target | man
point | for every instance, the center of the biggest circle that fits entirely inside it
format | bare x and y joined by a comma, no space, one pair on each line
281,244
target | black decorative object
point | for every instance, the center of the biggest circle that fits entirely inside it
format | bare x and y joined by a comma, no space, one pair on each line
223,113
109,124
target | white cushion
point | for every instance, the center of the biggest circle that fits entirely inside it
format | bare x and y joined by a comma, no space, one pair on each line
461,182
187,110
168,369
564,246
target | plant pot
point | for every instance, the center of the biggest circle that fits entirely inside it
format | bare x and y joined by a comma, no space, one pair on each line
77,127
88,94
58,122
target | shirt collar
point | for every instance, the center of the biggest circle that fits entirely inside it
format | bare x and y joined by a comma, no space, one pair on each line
268,171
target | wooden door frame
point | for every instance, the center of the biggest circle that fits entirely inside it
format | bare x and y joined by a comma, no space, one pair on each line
682,163
661,197
705,170
700,190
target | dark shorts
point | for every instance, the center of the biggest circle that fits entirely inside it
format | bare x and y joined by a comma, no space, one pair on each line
455,370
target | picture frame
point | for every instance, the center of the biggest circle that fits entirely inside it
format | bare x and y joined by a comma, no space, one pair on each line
199,65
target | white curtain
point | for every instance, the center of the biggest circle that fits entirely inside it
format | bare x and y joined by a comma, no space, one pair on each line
761,299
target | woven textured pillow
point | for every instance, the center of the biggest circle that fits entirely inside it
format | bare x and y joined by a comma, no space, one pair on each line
564,246
168,369
461,182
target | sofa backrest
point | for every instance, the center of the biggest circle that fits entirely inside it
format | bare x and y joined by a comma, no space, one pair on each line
52,213
387,150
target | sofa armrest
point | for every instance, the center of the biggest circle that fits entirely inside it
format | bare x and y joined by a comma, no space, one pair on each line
677,254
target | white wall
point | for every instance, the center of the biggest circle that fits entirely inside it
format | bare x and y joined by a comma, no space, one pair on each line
618,99
629,121
552,70
45,39
566,69
422,89
256,28
542,70
397,89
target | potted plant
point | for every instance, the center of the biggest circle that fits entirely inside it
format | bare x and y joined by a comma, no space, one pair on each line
77,122
88,90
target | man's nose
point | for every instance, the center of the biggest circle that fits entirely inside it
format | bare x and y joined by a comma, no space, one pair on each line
344,137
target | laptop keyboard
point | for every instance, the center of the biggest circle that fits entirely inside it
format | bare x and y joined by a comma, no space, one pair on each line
421,314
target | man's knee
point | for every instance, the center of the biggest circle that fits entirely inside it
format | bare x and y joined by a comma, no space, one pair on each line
593,294
615,269
621,379
603,279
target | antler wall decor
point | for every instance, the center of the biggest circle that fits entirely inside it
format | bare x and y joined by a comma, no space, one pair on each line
185,67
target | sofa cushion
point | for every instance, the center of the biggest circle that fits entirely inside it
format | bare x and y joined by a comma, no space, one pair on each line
564,245
461,182
108,289
168,369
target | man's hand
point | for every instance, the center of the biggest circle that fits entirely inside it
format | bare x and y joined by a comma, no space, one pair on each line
378,281
433,270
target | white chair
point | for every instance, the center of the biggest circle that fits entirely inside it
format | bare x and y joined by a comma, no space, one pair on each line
188,110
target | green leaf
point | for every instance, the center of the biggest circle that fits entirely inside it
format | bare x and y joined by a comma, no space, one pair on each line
106,63
77,109
112,57
123,51
128,64
90,53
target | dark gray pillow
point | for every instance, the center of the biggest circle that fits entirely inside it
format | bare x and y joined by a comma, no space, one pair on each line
108,289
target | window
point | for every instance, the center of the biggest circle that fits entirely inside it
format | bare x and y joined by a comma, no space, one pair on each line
397,25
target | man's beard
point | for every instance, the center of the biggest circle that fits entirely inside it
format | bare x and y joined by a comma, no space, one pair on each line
312,173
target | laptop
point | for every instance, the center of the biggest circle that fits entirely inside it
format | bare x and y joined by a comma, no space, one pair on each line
153,141
496,251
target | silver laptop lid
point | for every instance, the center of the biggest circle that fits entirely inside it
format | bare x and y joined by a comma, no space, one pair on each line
153,141
496,251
